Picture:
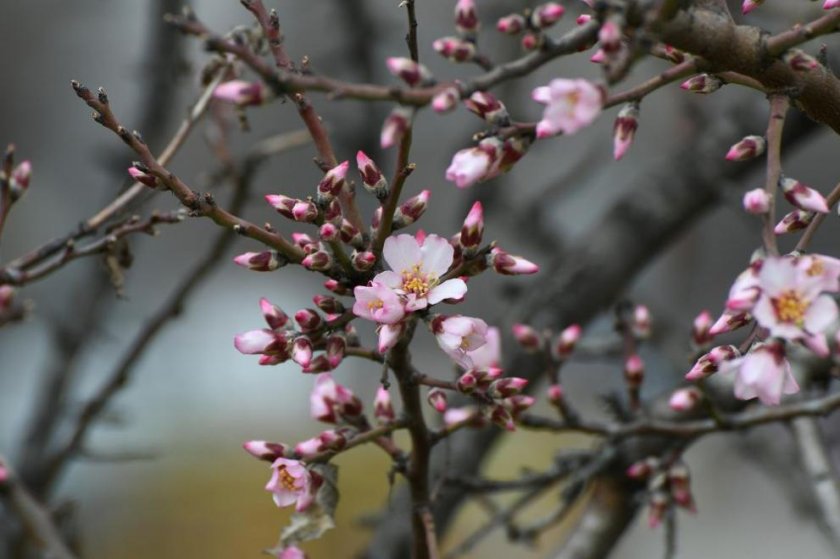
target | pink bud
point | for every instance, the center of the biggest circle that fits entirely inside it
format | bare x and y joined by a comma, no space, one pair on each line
363,261
756,201
411,72
531,41
328,233
308,320
702,83
555,394
749,5
304,211
527,337
803,197
488,107
411,210
643,468
466,414
395,126
710,363
829,4
336,346
351,235
283,204
472,229
240,92
143,177
546,15
302,351
583,19
467,383
599,57
7,295
265,450
274,316
674,55
372,178
511,25
389,335
609,37
641,322
466,17
437,399
319,261
267,261
634,370
747,148
383,410
504,263
794,221
454,49
700,328
336,287
333,181
329,305
507,387
320,364
685,399
446,100
658,505
517,404
624,129
800,61
567,340
502,417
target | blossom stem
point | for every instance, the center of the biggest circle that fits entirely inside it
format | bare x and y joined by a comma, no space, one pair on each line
779,104
403,170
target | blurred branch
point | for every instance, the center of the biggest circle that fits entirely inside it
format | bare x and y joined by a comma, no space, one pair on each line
34,517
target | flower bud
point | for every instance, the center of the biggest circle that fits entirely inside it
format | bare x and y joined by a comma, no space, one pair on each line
532,41
241,93
336,346
624,129
302,351
555,394
702,83
308,320
328,304
274,315
527,337
437,399
411,72
756,201
320,364
411,210
372,178
685,399
511,25
318,261
640,324
583,19
395,126
266,261
657,507
749,5
803,197
466,414
454,49
486,106
350,235
363,260
332,212
265,450
383,410
609,37
389,335
794,221
643,468
328,233
517,404
306,243
599,57
304,211
143,176
502,417
747,148
472,229
710,363
800,61
283,204
674,55
566,341
546,15
700,329
504,263
7,296
634,371
507,387
333,182
466,17
336,287
446,100
468,382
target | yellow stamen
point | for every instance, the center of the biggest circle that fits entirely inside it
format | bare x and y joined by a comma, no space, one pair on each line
415,281
286,479
791,307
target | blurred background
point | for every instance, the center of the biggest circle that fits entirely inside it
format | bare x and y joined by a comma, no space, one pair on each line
190,490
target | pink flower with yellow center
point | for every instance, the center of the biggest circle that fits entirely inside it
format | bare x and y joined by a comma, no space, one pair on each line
791,305
570,106
291,483
763,373
378,303
459,336
416,270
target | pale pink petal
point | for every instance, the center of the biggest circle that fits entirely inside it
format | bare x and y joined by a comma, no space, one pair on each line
450,289
820,315
389,279
253,341
437,255
402,252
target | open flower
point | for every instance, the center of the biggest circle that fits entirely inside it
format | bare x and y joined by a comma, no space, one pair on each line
330,401
378,303
763,373
791,305
570,106
416,270
459,335
291,483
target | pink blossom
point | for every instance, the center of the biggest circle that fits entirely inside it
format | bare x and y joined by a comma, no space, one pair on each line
829,4
763,373
455,416
240,92
330,400
570,106
546,15
378,303
757,201
825,269
265,341
454,49
745,290
416,270
469,166
794,221
458,335
489,354
437,399
790,305
291,483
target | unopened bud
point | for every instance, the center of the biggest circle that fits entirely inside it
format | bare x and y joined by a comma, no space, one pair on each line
488,107
318,261
803,197
466,17
394,127
446,100
383,409
546,15
794,221
308,320
700,328
304,211
609,37
437,399
472,230
640,324
532,41
335,348
624,129
411,210
241,93
756,201
566,341
800,61
685,399
333,182
329,305
411,72
702,83
328,233
302,351
507,387
747,148
528,338
274,315
336,287
467,383
283,204
372,178
511,25
507,264
265,450
143,177
454,49
710,363
363,260
266,261
634,371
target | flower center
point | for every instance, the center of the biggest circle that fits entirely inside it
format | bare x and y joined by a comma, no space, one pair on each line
287,480
816,268
375,305
415,281
791,307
